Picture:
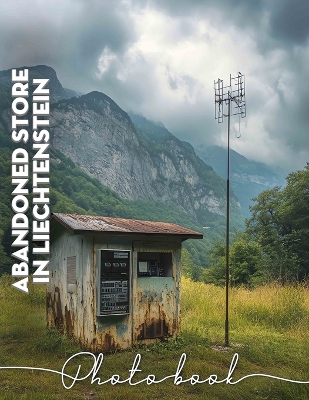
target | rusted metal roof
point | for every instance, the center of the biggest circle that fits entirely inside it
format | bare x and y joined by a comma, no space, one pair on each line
90,223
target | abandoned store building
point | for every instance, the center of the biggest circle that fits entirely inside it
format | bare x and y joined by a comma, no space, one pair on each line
114,282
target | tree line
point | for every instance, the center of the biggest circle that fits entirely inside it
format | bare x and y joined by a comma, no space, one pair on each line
274,244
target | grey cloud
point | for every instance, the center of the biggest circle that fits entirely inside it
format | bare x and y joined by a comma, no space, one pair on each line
183,7
241,13
137,91
290,121
70,38
289,21
172,81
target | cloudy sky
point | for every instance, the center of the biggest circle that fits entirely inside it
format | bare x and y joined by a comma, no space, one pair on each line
160,58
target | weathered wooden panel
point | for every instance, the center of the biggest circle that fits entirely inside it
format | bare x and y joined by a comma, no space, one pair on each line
155,299
68,304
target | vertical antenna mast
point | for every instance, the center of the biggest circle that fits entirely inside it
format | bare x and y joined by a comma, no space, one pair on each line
232,96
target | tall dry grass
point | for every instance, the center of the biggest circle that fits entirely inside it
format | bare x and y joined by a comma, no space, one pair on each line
266,309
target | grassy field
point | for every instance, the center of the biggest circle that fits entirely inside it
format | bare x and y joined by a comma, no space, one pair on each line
268,330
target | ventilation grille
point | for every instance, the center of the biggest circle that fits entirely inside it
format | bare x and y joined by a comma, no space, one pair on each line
71,270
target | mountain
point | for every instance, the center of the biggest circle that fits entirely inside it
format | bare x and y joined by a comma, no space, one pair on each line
102,140
42,72
248,178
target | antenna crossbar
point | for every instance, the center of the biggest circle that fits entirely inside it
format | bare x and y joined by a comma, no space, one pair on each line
233,93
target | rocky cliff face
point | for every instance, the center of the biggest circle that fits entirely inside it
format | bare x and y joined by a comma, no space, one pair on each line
101,138
39,72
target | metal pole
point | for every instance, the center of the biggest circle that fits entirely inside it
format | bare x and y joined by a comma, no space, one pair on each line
224,95
227,271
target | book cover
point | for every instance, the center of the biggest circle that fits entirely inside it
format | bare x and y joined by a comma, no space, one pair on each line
134,262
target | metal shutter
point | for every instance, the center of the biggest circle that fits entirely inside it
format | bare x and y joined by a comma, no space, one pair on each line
71,270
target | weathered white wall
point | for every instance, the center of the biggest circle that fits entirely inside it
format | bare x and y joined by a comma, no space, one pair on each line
154,301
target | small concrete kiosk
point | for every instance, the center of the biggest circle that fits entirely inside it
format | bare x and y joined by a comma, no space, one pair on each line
114,282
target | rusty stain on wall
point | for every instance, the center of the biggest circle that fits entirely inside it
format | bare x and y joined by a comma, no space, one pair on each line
69,321
54,310
153,327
